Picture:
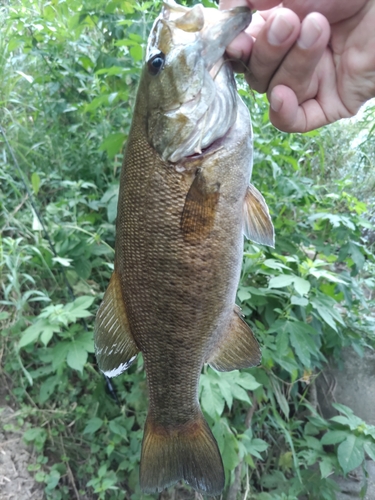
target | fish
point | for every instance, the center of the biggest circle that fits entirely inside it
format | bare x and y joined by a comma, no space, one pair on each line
184,204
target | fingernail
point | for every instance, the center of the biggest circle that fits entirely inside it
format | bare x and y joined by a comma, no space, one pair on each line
280,30
310,32
275,102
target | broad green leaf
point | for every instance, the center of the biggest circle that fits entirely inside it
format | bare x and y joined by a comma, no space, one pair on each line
117,428
240,393
369,447
48,332
212,401
93,425
275,264
52,480
230,454
352,421
301,286
299,301
47,388
86,341
77,357
247,381
350,453
243,294
136,52
303,344
113,144
281,281
83,302
60,353
326,467
32,333
334,437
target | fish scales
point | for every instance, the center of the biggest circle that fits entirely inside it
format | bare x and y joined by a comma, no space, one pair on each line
179,294
182,212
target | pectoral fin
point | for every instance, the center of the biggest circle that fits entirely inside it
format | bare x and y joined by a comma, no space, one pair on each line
238,349
114,345
258,225
199,211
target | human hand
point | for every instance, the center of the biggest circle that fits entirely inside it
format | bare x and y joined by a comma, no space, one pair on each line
309,83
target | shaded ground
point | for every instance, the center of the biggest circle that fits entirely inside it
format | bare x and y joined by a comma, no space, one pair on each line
16,483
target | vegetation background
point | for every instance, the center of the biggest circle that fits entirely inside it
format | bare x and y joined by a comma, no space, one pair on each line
69,72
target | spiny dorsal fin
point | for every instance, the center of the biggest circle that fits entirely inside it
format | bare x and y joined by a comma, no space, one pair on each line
238,349
258,225
114,346
199,212
192,21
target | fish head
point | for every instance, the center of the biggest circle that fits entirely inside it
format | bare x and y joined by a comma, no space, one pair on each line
188,85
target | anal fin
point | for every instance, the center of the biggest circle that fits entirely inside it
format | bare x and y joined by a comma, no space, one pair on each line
258,225
114,345
238,349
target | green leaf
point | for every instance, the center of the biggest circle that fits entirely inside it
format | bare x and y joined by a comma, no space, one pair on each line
116,428
48,332
52,480
112,208
334,437
136,52
240,393
93,425
32,333
302,342
212,401
299,301
60,353
301,286
86,341
281,281
350,453
113,144
247,381
77,357
35,182
243,294
370,449
326,467
47,388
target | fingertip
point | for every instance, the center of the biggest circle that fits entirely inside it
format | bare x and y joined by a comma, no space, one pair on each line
315,29
284,109
276,101
240,48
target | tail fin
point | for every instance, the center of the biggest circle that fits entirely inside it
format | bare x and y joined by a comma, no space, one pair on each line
187,452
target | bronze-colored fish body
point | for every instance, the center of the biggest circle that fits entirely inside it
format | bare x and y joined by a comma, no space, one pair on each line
178,257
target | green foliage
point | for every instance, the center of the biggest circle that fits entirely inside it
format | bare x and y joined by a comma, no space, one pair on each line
69,74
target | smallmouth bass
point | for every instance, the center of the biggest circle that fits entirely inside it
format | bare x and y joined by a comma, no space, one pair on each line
184,205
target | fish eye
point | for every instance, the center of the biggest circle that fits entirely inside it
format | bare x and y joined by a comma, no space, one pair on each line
156,64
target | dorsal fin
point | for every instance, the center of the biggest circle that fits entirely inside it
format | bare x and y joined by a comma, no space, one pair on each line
114,345
191,21
238,349
258,225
